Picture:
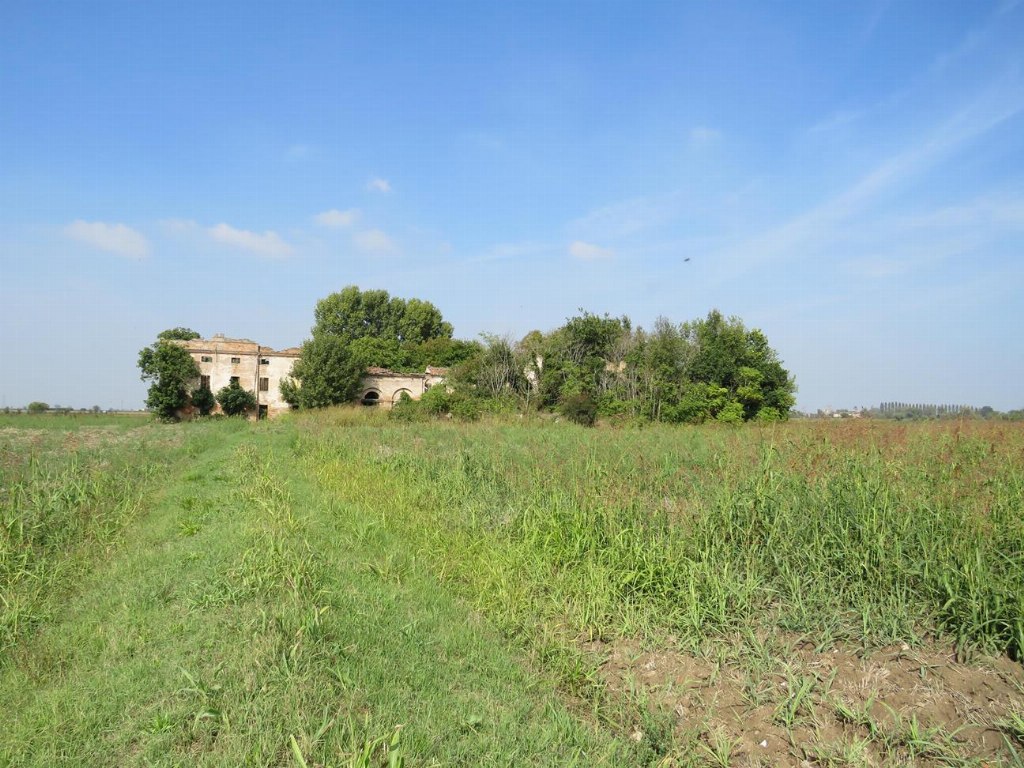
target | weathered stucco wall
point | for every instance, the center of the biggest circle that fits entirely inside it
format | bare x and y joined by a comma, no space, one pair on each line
383,387
221,359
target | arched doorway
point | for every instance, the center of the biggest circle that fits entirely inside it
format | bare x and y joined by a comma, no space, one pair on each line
371,397
398,396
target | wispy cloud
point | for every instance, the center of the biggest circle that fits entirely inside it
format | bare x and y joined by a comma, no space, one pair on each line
375,242
378,184
588,251
113,238
336,219
823,223
624,218
1005,213
268,244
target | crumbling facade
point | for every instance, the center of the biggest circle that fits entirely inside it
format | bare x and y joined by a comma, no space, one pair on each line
383,387
257,369
260,370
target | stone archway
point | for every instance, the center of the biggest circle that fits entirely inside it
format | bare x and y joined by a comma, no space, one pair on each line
370,397
397,398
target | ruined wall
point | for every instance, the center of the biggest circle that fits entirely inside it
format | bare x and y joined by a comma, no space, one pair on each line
388,387
221,359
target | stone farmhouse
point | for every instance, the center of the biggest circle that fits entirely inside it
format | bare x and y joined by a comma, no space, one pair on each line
261,369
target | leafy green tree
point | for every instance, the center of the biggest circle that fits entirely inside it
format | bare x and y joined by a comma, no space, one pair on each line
326,373
203,400
37,406
352,314
170,369
440,351
234,400
178,334
577,354
355,330
371,351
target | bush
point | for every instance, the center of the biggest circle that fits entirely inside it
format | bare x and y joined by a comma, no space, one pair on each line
38,407
731,414
581,409
436,401
203,400
465,408
407,409
235,400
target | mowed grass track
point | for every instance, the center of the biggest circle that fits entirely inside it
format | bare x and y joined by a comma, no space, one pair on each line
342,589
242,617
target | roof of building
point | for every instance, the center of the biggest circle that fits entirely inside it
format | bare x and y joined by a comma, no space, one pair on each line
219,343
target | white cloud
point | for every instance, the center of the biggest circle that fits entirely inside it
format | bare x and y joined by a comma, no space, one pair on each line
336,219
589,252
378,185
114,238
375,242
268,244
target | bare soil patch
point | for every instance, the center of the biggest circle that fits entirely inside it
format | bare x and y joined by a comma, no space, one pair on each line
774,701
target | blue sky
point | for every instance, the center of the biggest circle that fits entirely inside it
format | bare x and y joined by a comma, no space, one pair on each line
849,177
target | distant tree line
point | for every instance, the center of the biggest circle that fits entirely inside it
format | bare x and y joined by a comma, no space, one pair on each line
900,410
930,409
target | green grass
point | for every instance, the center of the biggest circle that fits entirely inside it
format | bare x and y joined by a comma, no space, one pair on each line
705,532
342,589
73,421
247,619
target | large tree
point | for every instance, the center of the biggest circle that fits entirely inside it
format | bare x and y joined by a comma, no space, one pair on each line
326,373
352,314
357,329
170,370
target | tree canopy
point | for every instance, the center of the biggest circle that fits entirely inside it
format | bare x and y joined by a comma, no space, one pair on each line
170,369
712,368
352,314
355,330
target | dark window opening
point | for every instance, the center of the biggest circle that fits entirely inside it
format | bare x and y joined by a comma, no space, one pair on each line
262,412
264,385
205,359
234,380
371,398
236,360
264,361
204,382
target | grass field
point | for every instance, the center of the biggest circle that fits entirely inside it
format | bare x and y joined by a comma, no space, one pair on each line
341,589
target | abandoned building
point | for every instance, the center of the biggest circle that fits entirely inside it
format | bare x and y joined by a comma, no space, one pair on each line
256,368
260,370
383,387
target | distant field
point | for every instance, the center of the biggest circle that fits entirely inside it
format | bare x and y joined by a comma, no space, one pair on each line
341,589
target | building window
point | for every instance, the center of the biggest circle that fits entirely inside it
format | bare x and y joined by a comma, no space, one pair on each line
234,380
264,361
204,382
264,385
206,359
236,360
